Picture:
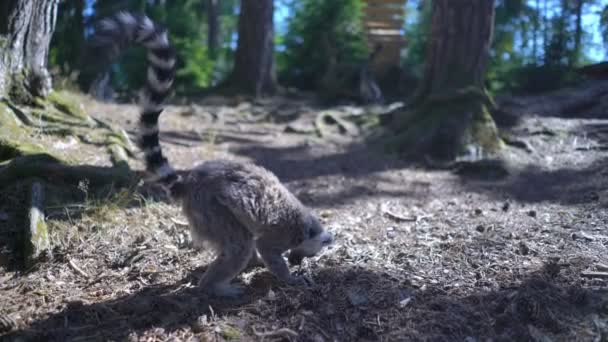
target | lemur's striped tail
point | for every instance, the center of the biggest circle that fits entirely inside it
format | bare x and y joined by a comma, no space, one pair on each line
115,34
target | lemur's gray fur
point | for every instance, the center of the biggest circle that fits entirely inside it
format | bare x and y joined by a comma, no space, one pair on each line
235,208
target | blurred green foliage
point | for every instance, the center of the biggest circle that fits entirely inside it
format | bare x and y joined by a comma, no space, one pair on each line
318,29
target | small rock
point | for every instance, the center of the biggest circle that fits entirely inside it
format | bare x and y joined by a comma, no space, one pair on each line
478,212
532,213
506,206
480,228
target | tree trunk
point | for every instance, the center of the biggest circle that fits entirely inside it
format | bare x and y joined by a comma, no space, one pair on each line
4,10
254,70
449,114
536,25
23,66
578,34
546,27
69,35
213,32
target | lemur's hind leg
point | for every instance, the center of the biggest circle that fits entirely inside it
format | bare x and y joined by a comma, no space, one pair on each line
231,259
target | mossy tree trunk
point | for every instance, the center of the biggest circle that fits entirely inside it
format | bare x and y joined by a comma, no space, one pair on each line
23,58
449,114
254,69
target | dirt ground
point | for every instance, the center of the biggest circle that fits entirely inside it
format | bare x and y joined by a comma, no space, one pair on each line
420,254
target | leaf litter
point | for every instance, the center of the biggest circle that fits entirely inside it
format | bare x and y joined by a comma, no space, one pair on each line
419,255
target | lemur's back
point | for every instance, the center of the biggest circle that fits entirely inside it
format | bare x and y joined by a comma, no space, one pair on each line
255,195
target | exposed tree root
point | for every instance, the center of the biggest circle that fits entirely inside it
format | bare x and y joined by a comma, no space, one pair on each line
51,169
326,118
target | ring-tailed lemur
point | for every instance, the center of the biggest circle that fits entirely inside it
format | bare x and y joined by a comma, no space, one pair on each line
239,209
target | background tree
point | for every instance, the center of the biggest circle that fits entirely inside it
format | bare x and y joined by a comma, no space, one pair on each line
578,34
449,114
254,67
69,37
213,27
25,48
320,34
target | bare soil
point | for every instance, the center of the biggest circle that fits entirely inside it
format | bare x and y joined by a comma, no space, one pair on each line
420,254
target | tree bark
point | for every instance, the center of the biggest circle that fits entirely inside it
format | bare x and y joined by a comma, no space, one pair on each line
578,34
254,70
23,66
449,114
4,10
213,31
536,25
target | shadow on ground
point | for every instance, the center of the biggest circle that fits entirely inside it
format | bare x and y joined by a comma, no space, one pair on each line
350,303
568,186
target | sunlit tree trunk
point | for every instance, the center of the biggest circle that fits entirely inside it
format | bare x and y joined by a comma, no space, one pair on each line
450,113
24,54
254,70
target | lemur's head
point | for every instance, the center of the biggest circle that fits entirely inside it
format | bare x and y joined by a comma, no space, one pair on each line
315,238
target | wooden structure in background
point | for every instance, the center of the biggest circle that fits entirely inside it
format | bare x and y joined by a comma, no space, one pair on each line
383,21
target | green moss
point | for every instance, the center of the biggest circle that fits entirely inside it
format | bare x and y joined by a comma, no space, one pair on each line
484,131
13,148
231,333
41,234
68,104
8,121
37,238
17,91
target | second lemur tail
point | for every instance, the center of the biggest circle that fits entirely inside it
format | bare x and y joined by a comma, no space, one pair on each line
115,34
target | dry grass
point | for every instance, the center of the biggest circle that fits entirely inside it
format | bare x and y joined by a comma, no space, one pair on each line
419,254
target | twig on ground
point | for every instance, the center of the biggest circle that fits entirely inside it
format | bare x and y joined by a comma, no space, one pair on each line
399,218
179,222
284,332
592,274
601,267
77,269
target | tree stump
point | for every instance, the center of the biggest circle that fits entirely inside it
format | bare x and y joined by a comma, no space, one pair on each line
36,242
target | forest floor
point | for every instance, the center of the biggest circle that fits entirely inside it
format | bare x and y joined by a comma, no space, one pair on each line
420,254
